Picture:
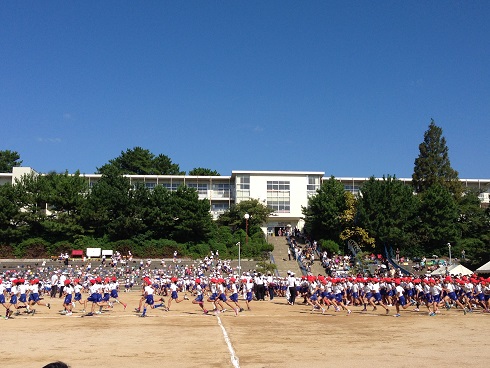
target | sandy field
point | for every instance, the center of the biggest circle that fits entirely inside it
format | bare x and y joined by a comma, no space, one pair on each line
272,334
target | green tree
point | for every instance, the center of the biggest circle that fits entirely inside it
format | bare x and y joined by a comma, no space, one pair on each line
192,221
11,225
432,166
235,216
9,160
139,161
474,228
110,208
65,195
438,217
387,208
31,192
473,220
323,215
350,229
200,171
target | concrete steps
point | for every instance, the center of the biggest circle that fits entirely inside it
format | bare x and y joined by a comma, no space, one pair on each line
280,255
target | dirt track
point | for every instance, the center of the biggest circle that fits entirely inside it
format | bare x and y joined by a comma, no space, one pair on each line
273,334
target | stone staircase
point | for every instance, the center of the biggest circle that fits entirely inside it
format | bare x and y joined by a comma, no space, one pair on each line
280,255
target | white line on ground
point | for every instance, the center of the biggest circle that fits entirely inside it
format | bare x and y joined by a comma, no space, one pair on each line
234,359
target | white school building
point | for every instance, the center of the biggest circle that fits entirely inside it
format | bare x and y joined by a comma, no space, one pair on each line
285,192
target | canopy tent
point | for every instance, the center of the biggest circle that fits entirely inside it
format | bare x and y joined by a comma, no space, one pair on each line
453,270
460,270
484,269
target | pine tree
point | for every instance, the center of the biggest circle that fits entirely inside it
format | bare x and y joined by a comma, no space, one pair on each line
433,165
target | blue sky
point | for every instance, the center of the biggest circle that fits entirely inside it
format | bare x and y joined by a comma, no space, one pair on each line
344,87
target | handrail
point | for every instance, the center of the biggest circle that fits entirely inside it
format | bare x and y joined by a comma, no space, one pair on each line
394,264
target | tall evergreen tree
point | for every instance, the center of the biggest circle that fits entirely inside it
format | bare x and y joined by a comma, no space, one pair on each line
387,209
323,215
201,171
433,165
438,219
140,161
9,159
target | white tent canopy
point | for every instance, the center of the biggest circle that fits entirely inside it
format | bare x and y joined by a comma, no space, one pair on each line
453,270
460,270
484,269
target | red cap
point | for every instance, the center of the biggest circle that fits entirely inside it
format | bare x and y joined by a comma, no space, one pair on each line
67,282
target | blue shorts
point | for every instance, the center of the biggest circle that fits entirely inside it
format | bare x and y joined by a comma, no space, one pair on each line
199,298
377,297
67,299
436,298
222,297
249,297
2,299
13,299
234,297
175,295
34,297
401,300
213,296
314,297
452,295
355,295
338,297
78,296
114,294
149,300
95,298
23,298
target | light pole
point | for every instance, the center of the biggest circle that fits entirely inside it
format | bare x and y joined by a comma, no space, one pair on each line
246,216
239,263
449,246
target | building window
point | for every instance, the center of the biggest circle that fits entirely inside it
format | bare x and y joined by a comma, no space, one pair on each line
172,186
219,207
278,196
221,190
313,185
354,189
201,188
243,187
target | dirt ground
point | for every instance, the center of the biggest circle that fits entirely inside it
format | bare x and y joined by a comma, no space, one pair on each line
272,334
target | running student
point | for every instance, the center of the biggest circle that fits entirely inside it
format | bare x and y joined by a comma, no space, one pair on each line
34,295
400,298
77,292
174,294
68,293
114,287
234,293
199,296
149,291
222,296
